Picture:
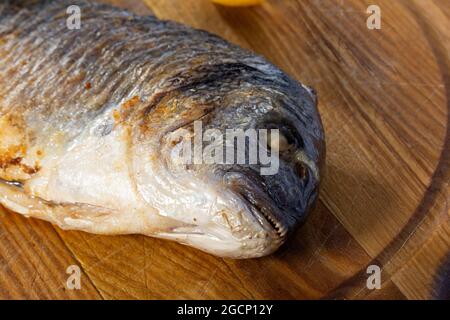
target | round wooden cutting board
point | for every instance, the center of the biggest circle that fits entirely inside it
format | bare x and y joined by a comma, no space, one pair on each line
384,100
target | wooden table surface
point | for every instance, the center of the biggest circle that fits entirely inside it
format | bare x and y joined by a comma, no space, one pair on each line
384,100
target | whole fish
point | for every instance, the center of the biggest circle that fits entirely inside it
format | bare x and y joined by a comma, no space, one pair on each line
97,104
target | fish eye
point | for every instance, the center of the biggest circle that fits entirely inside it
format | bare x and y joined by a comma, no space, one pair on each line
281,144
288,138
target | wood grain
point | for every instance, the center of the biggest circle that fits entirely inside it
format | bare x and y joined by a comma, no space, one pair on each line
384,100
34,260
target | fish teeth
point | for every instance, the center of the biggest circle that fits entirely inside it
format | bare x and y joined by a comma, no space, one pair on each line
275,224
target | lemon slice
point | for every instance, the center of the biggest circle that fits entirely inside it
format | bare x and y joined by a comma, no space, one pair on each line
238,3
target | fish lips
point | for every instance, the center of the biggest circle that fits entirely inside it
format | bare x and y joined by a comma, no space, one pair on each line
267,215
279,219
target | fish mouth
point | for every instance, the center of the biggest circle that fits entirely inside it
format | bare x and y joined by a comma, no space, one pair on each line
263,211
261,206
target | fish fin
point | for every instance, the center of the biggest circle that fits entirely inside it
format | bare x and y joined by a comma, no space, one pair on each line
83,217
75,216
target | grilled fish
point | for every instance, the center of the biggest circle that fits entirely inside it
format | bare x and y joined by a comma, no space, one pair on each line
92,121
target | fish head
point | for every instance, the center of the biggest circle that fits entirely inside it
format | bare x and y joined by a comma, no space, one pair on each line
235,172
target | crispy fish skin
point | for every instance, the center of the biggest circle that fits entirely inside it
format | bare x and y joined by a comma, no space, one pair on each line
85,117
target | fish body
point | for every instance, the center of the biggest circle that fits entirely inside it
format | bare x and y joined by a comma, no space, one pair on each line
92,120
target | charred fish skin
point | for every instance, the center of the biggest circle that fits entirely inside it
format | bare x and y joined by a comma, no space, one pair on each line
86,117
